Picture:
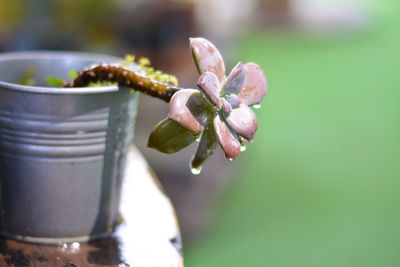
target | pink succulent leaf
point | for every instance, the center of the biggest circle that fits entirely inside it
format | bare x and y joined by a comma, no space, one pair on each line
206,147
209,84
255,85
229,143
235,80
243,121
234,100
189,109
200,107
226,105
169,137
207,57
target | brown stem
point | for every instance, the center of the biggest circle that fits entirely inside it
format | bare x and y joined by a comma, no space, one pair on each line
125,77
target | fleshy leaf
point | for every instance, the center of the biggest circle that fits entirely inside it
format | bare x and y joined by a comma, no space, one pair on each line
207,57
243,121
169,137
188,108
206,147
228,142
208,82
227,106
234,100
234,82
255,85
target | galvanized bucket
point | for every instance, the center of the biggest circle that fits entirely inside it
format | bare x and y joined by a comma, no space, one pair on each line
62,150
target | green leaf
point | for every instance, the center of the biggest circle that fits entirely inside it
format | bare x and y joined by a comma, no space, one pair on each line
169,137
206,146
72,74
54,81
28,77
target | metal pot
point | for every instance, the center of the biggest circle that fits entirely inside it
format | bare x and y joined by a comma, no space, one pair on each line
62,150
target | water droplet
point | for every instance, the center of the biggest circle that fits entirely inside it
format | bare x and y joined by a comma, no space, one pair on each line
242,148
257,106
196,171
230,159
75,245
198,139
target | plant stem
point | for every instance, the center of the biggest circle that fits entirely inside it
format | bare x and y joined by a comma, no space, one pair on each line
125,77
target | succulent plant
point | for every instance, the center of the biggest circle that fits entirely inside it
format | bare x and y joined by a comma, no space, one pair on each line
218,111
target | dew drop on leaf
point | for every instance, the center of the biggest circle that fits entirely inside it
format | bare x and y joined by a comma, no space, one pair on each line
196,171
256,106
242,148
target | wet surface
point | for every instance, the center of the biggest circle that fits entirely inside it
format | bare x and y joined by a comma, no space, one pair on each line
149,235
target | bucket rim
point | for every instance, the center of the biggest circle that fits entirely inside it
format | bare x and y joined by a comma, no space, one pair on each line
27,55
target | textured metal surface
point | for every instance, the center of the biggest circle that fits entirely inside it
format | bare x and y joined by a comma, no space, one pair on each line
62,154
148,237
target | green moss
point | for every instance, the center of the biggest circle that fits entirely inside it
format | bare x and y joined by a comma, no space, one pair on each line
145,64
72,74
102,83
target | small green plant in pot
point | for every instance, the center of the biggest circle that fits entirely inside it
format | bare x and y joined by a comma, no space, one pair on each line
63,149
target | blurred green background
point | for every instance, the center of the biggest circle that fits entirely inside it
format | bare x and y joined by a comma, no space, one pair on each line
320,184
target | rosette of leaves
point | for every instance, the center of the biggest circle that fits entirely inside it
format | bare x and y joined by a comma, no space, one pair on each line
218,112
